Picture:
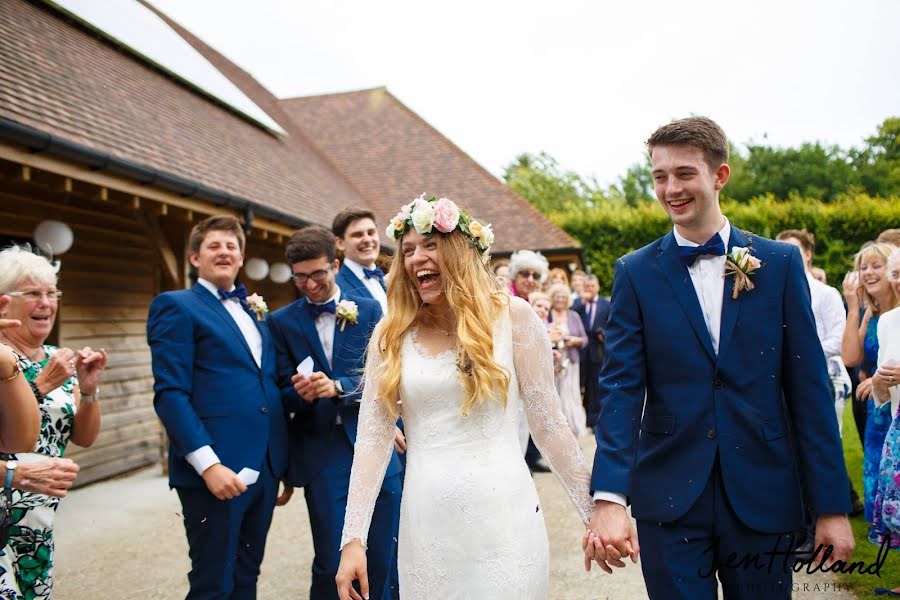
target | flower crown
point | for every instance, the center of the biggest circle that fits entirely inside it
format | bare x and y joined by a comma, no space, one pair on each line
426,215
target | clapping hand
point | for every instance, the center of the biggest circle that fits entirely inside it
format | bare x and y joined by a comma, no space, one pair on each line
864,390
51,477
7,323
89,365
852,287
59,369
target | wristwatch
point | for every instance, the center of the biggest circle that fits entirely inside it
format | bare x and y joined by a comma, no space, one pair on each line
88,398
10,472
338,387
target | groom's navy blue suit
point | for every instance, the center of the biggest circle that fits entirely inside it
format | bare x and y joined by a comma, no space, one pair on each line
209,391
321,450
711,458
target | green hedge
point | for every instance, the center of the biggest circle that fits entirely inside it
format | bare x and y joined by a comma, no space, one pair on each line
610,231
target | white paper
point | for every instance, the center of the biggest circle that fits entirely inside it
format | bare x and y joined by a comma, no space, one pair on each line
248,476
305,368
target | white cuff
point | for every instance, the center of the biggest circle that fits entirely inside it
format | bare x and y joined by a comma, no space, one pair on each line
611,497
202,458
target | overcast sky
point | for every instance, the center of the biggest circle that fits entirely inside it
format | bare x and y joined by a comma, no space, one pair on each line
585,81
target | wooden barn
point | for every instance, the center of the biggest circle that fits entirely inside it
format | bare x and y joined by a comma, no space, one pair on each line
103,134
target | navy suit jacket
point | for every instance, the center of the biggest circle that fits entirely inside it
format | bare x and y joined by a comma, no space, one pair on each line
313,425
208,390
767,384
351,284
593,352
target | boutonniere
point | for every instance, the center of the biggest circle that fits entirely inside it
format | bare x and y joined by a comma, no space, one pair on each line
258,306
740,263
347,312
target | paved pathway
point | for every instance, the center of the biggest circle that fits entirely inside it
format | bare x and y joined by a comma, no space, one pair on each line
124,539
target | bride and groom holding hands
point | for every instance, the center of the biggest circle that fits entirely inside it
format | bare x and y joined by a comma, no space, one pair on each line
716,423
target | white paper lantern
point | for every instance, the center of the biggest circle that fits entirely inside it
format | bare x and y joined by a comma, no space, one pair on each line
280,272
256,269
53,237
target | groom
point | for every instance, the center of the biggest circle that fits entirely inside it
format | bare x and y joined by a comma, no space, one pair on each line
717,415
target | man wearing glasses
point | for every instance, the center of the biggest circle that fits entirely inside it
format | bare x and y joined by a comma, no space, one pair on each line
330,329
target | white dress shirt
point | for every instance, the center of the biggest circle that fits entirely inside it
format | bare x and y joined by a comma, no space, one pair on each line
889,353
325,323
204,457
828,309
709,284
372,284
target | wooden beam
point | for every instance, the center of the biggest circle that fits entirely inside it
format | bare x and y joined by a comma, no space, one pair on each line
25,175
136,202
64,187
102,194
166,253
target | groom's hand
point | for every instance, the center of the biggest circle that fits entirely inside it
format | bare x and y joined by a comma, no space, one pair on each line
611,536
835,531
223,483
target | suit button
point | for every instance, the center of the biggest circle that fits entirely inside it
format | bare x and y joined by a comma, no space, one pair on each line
263,410
718,384
711,434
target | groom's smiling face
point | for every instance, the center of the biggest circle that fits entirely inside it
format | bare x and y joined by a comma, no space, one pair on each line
687,187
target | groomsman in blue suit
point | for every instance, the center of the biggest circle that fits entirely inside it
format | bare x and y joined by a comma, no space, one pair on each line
215,391
716,403
332,327
356,236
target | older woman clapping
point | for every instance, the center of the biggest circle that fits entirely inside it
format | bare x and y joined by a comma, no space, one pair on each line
67,384
527,270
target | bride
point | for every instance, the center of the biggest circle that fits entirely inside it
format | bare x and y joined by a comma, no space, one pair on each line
455,356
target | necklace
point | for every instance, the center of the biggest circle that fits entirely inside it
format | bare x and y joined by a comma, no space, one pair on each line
31,356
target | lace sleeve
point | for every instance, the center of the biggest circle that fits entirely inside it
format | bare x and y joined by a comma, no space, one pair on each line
371,454
549,429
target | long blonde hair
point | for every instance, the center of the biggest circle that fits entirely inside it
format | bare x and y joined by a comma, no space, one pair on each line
476,300
883,251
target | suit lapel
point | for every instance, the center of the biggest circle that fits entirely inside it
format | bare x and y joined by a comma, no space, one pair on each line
308,326
730,307
680,280
216,305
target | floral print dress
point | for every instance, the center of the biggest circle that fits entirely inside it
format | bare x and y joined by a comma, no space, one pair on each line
26,563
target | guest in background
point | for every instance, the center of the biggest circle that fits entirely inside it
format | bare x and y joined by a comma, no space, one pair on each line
594,312
890,236
868,292
886,386
567,323
356,237
540,302
558,275
501,272
67,383
577,286
818,274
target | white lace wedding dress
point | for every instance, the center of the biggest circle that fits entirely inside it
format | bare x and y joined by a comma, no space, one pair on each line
471,524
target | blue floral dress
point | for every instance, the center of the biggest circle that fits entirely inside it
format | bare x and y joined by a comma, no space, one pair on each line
878,421
26,563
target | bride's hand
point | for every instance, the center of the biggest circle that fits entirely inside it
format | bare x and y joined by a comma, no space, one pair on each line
352,567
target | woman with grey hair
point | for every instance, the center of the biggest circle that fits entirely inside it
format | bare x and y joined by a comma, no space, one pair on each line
67,384
527,270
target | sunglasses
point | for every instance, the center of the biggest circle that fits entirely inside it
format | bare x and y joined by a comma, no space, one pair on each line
529,275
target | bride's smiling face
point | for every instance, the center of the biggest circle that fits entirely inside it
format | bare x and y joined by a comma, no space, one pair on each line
421,260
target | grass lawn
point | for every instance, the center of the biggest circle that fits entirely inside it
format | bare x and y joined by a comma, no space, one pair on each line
862,585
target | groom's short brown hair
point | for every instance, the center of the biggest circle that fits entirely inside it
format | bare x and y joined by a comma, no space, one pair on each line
700,132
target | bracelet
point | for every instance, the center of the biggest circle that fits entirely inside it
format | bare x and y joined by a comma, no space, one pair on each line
13,376
89,398
37,391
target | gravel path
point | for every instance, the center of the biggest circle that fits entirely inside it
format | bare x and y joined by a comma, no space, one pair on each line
124,539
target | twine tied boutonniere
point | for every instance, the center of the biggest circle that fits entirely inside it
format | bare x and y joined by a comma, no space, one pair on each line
740,263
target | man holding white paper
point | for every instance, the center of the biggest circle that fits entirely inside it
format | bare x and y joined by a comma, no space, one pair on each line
215,391
320,343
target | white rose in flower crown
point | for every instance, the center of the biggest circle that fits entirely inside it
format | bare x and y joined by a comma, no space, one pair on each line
475,229
487,235
423,217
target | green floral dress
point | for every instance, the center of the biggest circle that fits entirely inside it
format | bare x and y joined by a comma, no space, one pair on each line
26,563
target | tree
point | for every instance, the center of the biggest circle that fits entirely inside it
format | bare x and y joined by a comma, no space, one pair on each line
540,180
878,164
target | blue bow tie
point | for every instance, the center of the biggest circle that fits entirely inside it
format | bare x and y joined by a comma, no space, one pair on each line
376,272
239,292
714,246
317,309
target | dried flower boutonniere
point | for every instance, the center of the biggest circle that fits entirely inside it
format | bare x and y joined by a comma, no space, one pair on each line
740,263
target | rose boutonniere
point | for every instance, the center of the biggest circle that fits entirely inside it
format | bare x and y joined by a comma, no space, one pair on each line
258,305
740,263
347,312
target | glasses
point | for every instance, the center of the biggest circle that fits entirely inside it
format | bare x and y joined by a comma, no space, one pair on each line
52,295
894,275
318,276
529,275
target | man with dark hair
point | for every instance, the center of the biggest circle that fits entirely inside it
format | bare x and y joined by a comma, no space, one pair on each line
713,366
330,328
594,311
356,236
216,395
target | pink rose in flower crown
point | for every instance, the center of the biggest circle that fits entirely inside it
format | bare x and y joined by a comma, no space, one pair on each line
446,215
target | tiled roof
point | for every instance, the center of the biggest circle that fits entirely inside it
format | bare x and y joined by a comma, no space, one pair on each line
59,78
392,155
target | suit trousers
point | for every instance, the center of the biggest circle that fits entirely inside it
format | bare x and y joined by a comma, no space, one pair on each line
680,560
227,539
326,500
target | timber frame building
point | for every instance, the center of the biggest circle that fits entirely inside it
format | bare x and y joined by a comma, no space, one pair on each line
130,156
